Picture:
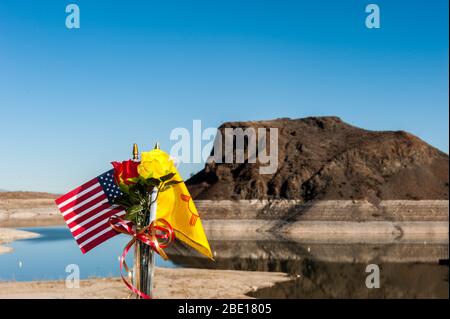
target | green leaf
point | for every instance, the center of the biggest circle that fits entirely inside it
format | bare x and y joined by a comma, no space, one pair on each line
167,177
133,179
124,188
131,217
135,197
170,183
135,209
152,182
123,201
139,188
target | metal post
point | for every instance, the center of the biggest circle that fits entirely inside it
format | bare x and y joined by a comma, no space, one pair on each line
144,257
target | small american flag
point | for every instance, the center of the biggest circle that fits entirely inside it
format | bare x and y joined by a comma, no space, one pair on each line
87,209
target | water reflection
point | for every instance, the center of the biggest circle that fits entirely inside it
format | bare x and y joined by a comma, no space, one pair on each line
347,280
48,234
407,270
318,270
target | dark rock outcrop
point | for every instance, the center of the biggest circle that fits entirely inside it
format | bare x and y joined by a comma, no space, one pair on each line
326,158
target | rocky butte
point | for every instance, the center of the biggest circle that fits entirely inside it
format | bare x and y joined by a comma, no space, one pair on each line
324,158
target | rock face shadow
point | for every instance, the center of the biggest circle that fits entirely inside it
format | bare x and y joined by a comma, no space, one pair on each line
343,280
330,270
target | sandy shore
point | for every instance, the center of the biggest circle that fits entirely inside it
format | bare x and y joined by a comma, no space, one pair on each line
169,284
358,221
27,209
328,221
8,235
330,231
23,214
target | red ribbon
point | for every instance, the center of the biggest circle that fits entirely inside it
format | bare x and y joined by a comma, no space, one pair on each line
158,235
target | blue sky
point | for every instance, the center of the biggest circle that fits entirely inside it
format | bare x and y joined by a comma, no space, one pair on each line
71,101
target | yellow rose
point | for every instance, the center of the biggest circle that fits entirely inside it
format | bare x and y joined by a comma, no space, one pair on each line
155,163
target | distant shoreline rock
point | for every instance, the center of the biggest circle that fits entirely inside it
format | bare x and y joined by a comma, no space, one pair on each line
325,210
6,196
8,235
324,158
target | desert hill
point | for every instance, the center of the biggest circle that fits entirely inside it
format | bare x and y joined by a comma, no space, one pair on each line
326,158
6,195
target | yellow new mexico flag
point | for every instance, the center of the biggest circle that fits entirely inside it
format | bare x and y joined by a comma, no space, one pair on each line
177,207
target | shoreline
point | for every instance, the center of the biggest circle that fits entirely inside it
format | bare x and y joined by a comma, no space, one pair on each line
330,231
170,283
326,222
329,221
18,212
8,235
326,210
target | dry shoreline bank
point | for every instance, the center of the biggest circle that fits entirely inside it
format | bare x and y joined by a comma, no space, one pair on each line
31,211
331,222
8,235
183,283
322,220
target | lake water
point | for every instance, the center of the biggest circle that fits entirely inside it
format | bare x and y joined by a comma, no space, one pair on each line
317,270
46,257
334,270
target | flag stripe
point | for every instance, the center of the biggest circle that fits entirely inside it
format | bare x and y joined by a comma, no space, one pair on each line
80,206
93,231
92,222
100,228
80,198
107,235
77,190
83,220
86,241
87,220
87,209
95,204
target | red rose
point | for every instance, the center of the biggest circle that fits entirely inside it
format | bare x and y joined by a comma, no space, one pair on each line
125,170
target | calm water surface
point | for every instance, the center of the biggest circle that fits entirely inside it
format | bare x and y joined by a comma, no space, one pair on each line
46,257
334,270
316,270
